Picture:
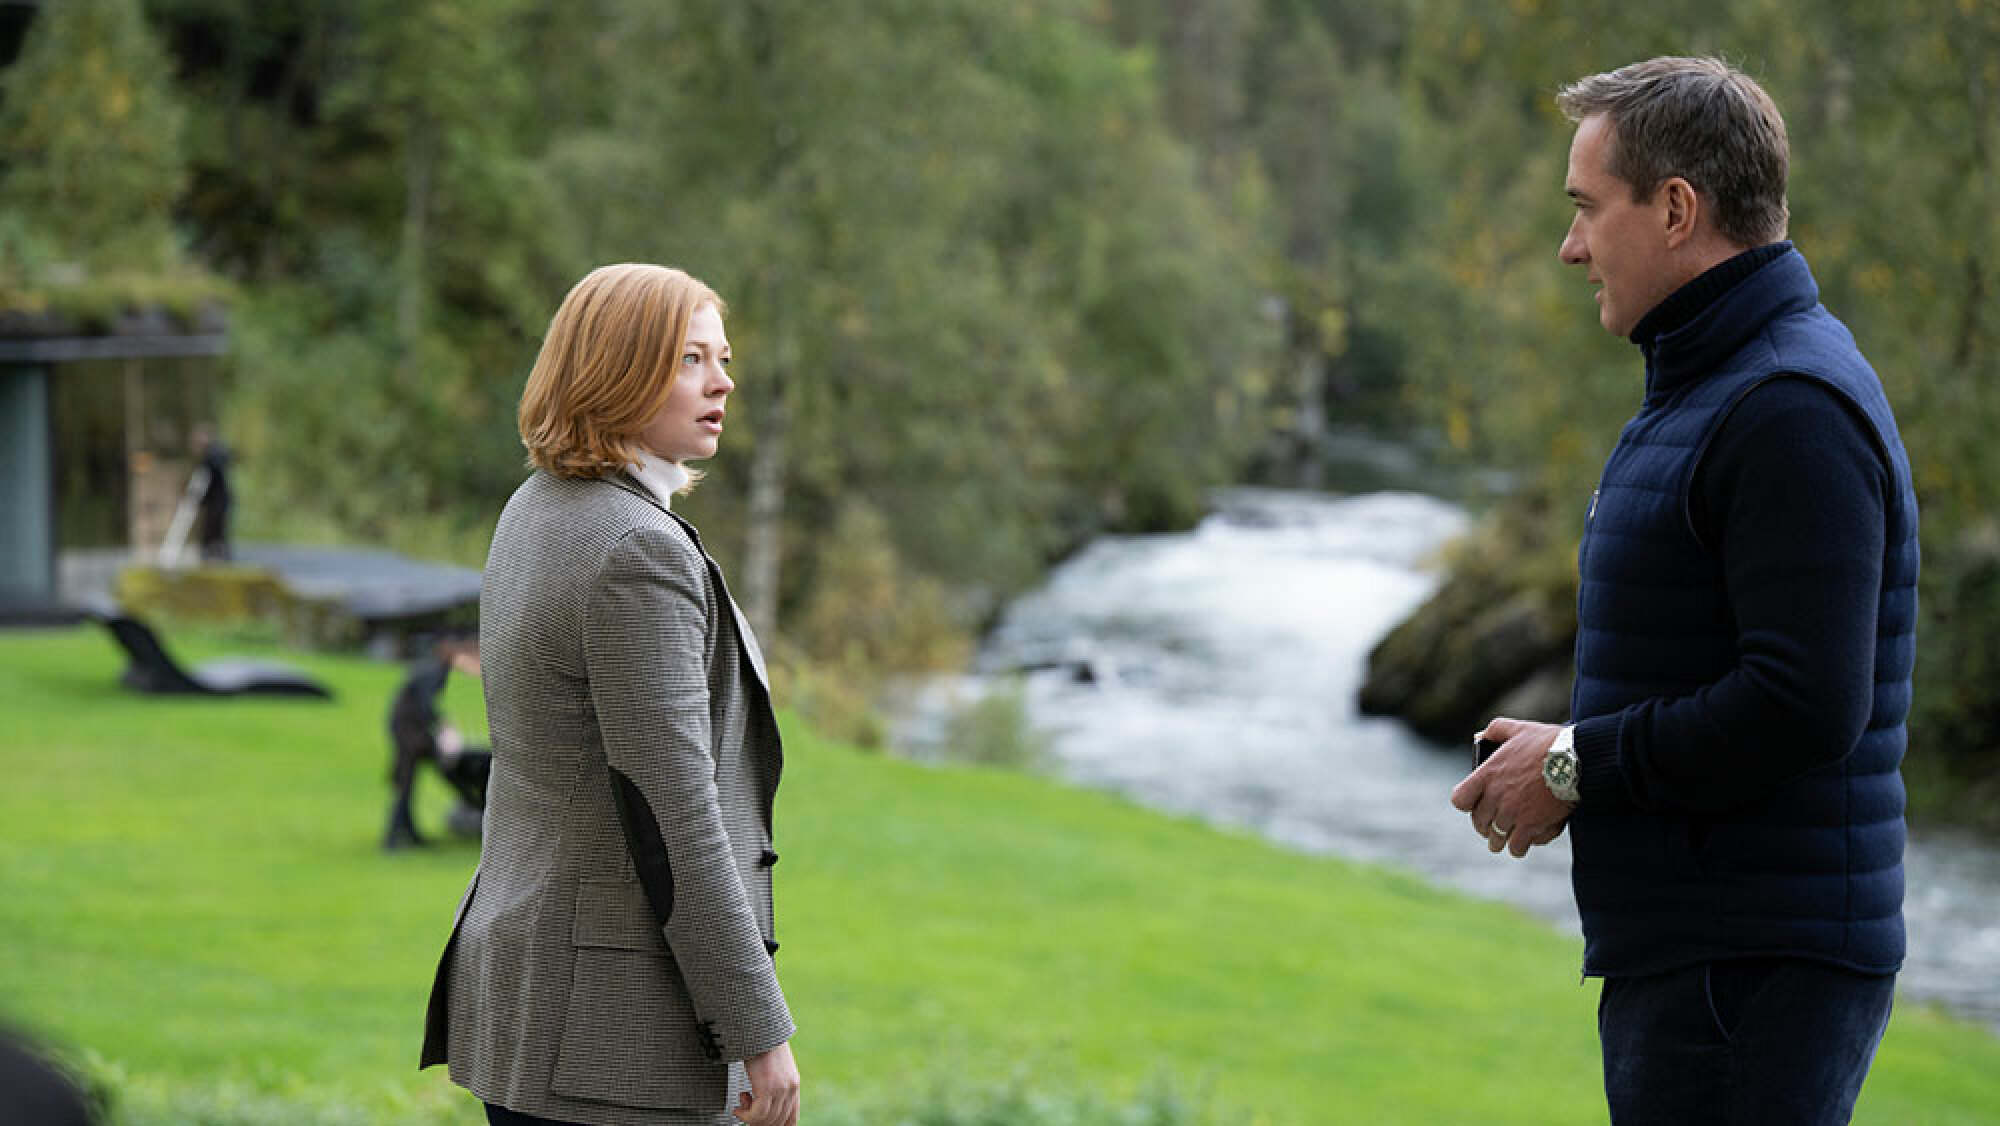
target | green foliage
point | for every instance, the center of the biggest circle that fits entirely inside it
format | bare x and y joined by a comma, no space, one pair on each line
865,607
1959,774
954,303
90,138
866,619
1420,187
192,903
994,730
1016,274
960,297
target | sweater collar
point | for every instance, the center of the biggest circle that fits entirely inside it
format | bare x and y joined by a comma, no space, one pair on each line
661,477
1708,319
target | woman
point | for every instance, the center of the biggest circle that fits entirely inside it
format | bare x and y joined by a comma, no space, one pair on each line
612,958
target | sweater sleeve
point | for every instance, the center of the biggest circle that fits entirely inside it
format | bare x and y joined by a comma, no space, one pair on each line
1791,497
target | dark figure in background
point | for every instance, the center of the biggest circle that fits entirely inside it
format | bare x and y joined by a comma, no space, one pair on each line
420,734
212,515
33,1092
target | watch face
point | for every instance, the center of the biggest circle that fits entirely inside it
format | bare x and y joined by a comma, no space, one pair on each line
1560,770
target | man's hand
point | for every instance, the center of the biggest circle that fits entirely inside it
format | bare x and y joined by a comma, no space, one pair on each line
1510,804
773,1097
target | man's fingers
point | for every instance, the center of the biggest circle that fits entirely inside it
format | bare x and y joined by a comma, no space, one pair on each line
1524,838
1521,842
1467,793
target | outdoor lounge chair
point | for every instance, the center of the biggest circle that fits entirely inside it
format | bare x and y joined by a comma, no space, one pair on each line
152,670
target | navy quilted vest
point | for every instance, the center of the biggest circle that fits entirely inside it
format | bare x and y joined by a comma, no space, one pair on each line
1816,869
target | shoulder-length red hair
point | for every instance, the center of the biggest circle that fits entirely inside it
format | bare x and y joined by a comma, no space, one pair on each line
606,366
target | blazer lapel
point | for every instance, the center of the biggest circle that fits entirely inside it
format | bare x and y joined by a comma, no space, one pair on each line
747,639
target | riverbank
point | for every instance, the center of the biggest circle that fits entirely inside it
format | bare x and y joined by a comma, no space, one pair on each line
1216,673
191,899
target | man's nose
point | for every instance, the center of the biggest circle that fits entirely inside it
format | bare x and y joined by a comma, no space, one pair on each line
1571,251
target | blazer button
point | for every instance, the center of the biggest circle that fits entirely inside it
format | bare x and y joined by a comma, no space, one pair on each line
768,860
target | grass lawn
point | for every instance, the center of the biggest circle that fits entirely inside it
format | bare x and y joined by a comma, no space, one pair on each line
191,900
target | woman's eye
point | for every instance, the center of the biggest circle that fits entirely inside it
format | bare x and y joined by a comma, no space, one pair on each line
692,359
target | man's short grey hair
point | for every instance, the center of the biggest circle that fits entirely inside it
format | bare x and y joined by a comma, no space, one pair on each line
1702,120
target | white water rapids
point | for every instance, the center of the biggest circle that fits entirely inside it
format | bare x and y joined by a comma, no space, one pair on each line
1214,673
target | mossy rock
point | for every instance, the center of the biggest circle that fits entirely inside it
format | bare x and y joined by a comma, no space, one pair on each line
231,594
1496,639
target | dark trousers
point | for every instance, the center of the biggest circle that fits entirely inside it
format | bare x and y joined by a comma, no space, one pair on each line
499,1115
1754,1040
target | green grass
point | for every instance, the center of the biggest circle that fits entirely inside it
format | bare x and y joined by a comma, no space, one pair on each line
191,899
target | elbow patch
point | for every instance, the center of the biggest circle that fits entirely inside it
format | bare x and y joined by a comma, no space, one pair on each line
643,841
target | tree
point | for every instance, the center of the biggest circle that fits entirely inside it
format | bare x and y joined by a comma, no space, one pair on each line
956,304
90,138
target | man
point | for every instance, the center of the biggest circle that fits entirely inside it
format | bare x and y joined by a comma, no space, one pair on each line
1745,629
212,512
418,733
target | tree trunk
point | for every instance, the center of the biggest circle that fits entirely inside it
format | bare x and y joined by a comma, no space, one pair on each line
419,170
767,510
767,479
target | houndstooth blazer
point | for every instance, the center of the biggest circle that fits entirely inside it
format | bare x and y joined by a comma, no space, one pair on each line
612,956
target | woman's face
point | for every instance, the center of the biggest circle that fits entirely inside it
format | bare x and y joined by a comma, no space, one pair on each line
689,426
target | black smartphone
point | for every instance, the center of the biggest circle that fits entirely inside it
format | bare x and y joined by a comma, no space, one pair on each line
1482,749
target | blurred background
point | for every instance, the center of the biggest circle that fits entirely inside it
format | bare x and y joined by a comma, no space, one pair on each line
1062,327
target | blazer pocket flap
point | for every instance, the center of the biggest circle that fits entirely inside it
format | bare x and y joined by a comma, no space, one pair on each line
615,914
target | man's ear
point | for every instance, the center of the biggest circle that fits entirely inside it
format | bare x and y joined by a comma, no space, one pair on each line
1683,211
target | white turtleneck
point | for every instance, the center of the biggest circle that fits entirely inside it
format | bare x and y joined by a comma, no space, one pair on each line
661,477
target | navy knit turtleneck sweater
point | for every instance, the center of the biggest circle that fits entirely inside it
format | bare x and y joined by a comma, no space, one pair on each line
1790,493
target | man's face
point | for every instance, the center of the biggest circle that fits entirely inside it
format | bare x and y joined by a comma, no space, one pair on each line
1622,244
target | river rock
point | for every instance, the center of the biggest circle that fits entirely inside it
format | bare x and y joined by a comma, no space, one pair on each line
1485,644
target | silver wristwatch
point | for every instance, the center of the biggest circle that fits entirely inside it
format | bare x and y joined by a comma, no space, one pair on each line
1559,766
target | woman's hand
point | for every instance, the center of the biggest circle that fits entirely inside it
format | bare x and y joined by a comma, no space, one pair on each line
773,1097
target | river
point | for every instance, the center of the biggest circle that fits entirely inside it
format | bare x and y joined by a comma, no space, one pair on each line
1214,673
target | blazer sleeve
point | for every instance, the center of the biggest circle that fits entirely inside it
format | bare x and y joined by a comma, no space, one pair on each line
645,652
